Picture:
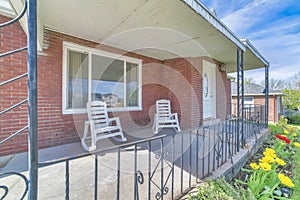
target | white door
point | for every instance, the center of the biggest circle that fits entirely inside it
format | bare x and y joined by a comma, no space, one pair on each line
209,90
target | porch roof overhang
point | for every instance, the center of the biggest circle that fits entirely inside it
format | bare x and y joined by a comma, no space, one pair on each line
159,29
253,59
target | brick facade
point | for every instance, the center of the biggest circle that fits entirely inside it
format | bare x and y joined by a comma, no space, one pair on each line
273,114
179,80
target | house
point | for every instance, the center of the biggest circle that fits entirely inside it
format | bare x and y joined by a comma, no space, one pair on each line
254,95
138,51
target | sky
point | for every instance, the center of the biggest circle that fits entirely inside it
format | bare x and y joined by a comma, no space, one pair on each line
272,26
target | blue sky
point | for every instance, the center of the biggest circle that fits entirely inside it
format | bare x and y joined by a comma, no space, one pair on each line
273,26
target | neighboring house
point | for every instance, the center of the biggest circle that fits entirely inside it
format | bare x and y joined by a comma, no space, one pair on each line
111,100
144,50
254,95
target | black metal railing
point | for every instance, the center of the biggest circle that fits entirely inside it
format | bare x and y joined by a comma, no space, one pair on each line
254,119
5,189
161,167
30,183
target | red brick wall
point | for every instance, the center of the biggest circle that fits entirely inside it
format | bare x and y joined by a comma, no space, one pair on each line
12,37
260,100
223,94
179,80
272,106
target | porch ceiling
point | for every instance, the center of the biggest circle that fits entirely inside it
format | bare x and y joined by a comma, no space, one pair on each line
159,29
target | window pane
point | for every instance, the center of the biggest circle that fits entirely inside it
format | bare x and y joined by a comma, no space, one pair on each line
132,80
77,80
108,81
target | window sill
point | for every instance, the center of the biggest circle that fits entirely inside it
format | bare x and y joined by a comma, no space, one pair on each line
84,111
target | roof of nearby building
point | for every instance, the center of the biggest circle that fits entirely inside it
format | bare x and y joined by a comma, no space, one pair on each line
252,89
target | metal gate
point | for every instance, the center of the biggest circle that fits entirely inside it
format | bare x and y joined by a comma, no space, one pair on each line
30,181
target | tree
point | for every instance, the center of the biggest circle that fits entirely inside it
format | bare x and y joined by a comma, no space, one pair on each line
249,80
291,99
290,88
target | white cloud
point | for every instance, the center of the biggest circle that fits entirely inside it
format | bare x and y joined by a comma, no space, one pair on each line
246,17
273,32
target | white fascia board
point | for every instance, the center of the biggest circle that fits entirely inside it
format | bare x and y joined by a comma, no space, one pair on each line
254,51
198,7
6,10
262,94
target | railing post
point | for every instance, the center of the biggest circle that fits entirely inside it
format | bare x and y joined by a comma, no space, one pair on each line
32,101
266,95
240,97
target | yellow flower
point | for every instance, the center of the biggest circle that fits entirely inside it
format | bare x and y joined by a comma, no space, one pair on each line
296,144
285,180
285,131
265,166
254,166
270,150
268,153
295,134
267,159
274,155
280,161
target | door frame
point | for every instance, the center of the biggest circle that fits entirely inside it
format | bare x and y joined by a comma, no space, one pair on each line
210,70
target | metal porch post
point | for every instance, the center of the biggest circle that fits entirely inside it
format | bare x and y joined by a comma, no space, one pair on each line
266,95
32,101
240,97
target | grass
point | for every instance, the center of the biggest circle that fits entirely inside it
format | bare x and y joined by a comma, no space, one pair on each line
275,129
296,172
295,125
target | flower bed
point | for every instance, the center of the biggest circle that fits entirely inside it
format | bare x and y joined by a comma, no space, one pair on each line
269,173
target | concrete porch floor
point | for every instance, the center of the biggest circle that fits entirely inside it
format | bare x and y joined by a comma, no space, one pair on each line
19,162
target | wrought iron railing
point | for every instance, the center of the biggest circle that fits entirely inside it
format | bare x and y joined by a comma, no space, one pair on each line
160,167
254,118
30,184
4,188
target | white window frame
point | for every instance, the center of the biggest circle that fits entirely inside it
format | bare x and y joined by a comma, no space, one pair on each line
249,104
90,51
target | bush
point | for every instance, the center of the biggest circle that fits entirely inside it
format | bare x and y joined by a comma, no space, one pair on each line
294,119
220,189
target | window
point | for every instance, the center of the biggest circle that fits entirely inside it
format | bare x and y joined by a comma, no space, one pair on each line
249,102
90,75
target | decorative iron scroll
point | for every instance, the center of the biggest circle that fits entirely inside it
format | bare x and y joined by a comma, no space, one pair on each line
6,188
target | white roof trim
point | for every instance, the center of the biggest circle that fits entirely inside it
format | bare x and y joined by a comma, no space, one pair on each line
262,94
254,51
198,7
6,9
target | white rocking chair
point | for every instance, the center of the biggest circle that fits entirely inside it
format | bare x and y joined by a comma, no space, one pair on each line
100,125
163,117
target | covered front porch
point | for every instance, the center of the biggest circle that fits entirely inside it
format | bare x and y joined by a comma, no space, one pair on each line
169,55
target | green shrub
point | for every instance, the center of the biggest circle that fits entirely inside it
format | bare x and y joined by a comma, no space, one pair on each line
220,189
294,119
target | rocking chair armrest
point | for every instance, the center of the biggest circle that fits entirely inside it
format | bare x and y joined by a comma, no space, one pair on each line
174,116
116,119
